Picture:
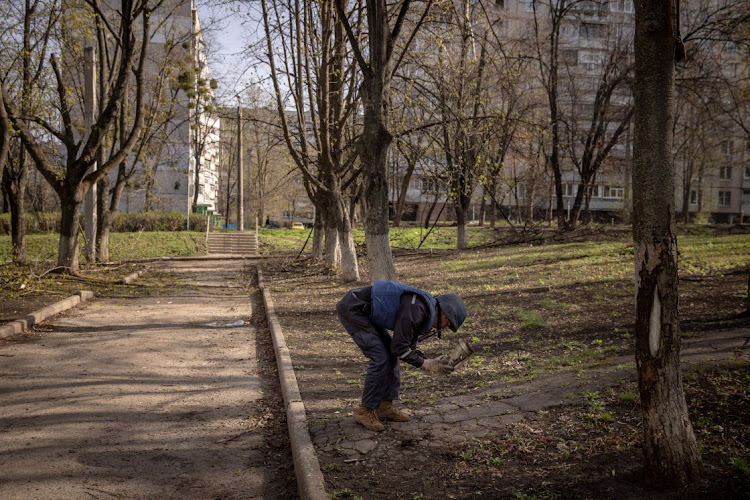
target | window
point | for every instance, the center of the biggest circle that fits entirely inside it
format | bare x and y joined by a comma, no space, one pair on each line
725,173
503,4
569,189
414,184
727,149
570,56
529,5
590,60
725,198
593,31
731,46
731,69
569,32
593,191
614,192
621,6
746,197
429,186
747,172
694,197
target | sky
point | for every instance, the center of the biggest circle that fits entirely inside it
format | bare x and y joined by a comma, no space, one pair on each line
226,39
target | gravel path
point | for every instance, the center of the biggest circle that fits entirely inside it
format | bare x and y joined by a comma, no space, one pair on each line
151,397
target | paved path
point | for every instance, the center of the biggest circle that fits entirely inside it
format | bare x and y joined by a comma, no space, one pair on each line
156,397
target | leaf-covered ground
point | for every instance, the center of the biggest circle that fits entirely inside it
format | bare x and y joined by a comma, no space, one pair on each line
585,450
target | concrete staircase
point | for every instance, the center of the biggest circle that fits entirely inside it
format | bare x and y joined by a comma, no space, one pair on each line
233,243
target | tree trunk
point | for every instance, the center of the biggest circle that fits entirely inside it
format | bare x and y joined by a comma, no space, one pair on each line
148,186
430,210
318,236
109,212
349,270
374,143
67,252
463,204
669,445
483,205
332,248
404,191
686,200
103,219
14,182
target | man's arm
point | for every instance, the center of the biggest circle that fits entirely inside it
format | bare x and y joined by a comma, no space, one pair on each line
412,315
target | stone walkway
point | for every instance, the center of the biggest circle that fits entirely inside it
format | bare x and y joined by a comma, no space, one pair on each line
491,409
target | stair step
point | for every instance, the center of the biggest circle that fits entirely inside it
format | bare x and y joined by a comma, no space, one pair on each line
232,243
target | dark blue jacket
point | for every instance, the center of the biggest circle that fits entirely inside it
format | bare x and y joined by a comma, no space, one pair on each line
386,296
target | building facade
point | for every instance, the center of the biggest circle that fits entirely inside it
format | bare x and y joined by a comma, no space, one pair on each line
595,54
179,170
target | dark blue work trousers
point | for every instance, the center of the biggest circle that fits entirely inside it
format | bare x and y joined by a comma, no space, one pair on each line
383,379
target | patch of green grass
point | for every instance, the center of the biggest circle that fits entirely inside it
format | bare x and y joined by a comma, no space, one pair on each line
122,246
703,254
331,467
628,396
741,465
530,319
342,493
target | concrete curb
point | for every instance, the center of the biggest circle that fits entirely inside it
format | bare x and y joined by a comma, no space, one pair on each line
132,277
310,483
20,325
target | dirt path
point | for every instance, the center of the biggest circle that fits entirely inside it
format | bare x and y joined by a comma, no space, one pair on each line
168,396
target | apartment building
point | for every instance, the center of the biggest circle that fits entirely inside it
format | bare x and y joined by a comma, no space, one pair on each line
712,183
179,172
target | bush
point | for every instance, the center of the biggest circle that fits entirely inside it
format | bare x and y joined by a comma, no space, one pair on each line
123,222
36,222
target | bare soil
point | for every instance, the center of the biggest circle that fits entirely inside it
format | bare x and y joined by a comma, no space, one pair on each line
587,448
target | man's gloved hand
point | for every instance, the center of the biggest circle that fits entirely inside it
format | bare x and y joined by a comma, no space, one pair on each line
437,366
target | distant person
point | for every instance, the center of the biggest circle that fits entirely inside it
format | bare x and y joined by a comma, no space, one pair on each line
268,221
412,315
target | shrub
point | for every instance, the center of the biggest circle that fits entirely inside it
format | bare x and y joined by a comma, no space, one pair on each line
36,222
123,222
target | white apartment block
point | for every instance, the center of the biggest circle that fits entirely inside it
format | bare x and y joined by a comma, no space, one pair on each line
191,139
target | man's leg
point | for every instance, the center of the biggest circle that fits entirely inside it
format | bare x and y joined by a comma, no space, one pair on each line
378,381
357,323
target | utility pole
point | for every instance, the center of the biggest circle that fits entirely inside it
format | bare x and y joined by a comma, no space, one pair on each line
89,102
240,190
249,185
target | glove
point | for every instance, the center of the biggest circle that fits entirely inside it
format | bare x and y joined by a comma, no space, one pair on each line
437,366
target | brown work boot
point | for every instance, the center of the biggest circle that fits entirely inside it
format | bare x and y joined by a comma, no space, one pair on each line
387,411
369,419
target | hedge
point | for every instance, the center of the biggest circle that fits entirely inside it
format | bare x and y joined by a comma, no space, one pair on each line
124,222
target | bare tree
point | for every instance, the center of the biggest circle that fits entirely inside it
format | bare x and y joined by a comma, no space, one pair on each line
72,180
669,445
377,66
36,24
322,91
591,137
547,34
161,96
